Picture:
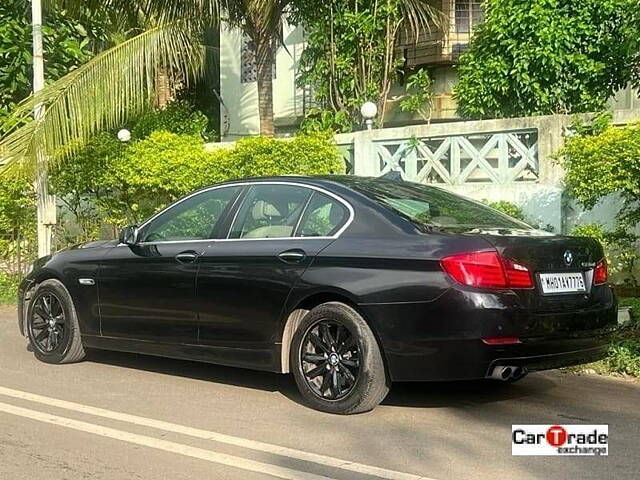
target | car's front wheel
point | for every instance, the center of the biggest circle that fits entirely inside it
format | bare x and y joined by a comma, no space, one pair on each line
336,361
52,324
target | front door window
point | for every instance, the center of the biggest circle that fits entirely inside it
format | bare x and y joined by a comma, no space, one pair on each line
191,219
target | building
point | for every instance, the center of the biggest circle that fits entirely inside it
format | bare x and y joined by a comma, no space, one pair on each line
438,50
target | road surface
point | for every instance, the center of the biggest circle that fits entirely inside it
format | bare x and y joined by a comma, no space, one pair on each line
125,416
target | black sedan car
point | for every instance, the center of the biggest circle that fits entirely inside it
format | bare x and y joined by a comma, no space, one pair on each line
348,283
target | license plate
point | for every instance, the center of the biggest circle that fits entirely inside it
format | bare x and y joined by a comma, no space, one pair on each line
562,283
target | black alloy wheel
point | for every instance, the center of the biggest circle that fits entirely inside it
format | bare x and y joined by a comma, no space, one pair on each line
52,324
47,323
330,360
336,361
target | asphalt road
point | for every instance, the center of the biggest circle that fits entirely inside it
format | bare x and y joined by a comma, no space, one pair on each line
124,416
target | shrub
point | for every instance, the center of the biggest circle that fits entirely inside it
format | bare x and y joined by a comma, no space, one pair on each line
619,248
8,287
612,157
624,357
178,117
125,184
155,171
303,155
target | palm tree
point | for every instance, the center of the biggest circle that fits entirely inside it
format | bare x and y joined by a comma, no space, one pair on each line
121,82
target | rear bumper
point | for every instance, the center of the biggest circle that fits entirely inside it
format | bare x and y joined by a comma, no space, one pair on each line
442,340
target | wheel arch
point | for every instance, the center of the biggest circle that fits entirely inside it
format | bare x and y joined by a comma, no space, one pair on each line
295,314
38,277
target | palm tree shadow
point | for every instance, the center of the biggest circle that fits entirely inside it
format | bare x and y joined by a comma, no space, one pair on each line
412,395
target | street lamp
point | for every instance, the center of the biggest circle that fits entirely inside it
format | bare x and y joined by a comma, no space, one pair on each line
124,135
368,110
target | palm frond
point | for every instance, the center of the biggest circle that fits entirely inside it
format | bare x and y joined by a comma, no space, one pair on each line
421,16
101,94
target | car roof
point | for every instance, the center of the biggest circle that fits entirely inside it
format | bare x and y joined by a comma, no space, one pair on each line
318,180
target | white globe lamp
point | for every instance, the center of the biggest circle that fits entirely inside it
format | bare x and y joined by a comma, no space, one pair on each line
124,135
369,110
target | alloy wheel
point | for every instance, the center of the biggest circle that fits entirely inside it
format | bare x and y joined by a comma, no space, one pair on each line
47,322
330,360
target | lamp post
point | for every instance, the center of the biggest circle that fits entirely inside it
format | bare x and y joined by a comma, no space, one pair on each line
369,110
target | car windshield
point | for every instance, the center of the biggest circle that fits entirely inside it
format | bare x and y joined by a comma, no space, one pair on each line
428,206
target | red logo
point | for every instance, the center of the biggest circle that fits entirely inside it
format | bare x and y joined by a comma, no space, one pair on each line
556,436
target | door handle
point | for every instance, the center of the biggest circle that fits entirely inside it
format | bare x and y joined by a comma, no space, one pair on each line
292,256
186,257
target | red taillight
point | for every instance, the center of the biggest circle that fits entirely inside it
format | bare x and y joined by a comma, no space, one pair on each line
487,270
600,274
518,275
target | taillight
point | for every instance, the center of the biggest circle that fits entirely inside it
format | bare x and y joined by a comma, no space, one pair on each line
600,274
518,276
487,269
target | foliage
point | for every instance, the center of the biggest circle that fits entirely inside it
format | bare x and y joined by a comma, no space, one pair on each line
634,304
619,248
303,155
419,96
9,287
350,54
508,208
178,117
69,41
17,224
546,56
123,184
624,357
318,120
87,184
624,353
155,171
612,156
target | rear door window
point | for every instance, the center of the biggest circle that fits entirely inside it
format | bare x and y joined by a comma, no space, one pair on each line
270,211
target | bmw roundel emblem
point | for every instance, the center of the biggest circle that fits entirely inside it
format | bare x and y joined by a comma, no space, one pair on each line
568,257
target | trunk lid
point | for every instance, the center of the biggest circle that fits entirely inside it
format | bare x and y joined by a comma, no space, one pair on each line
550,254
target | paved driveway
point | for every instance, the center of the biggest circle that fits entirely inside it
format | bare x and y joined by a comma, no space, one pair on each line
124,416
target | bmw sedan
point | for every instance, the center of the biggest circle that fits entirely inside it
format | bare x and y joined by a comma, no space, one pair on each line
348,283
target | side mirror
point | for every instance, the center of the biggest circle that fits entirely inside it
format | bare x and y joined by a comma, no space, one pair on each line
129,235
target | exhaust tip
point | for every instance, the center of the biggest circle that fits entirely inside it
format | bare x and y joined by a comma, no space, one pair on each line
506,373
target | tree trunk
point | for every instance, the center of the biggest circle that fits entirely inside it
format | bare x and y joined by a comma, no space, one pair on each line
163,89
264,76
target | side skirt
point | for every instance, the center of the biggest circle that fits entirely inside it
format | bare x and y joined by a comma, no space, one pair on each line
255,359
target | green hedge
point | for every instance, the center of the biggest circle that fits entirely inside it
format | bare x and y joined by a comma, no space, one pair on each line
126,183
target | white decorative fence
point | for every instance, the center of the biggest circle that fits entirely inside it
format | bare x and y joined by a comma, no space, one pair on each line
504,159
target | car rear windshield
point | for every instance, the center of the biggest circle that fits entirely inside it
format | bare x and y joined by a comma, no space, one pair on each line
434,207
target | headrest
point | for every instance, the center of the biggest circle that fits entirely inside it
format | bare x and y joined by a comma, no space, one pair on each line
262,210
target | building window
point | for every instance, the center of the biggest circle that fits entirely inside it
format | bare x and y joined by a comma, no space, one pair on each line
468,14
248,67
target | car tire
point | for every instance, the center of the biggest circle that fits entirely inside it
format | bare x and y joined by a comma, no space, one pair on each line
58,341
333,341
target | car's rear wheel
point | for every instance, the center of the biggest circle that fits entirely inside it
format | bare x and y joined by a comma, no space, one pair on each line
52,324
336,361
